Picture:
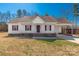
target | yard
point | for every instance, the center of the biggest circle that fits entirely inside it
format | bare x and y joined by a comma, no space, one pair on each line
16,46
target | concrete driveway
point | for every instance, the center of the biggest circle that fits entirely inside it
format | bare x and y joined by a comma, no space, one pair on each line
76,40
69,38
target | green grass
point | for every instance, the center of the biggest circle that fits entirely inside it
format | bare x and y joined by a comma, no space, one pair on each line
59,42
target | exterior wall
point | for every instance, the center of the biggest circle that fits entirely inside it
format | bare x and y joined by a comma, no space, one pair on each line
34,23
21,28
47,31
57,29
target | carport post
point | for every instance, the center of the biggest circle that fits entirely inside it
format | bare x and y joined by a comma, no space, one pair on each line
56,31
71,30
65,29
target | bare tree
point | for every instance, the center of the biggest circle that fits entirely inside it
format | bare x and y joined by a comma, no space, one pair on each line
76,13
46,14
65,12
24,12
19,13
36,14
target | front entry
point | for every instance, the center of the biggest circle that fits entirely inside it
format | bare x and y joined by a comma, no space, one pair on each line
38,28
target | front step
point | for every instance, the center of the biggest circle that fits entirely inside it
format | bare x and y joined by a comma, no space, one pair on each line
44,37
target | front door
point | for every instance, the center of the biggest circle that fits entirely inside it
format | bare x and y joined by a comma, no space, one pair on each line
38,28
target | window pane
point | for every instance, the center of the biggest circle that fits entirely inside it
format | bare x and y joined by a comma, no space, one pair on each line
27,27
14,27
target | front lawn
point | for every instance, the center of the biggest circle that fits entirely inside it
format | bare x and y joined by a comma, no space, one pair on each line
25,46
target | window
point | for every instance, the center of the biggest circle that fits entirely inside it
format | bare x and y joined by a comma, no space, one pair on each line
45,27
28,27
50,27
15,27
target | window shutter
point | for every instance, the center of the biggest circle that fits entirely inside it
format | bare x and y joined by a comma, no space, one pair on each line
50,27
17,27
25,27
30,27
45,27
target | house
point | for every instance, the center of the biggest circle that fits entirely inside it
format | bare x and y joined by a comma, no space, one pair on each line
38,25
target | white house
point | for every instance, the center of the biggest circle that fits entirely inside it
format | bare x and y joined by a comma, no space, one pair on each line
36,25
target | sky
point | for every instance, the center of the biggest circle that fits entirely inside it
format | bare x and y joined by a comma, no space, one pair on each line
53,9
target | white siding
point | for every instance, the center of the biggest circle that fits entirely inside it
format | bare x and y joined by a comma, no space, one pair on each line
47,31
10,28
21,28
57,29
38,20
35,22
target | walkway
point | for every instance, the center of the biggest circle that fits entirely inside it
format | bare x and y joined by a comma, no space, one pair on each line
76,40
69,38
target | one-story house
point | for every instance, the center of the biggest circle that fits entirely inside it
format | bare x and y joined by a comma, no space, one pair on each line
39,25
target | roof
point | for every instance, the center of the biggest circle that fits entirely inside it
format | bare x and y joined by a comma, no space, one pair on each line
49,19
23,19
64,20
31,18
45,18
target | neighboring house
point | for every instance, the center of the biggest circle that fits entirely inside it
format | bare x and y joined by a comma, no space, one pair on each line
38,25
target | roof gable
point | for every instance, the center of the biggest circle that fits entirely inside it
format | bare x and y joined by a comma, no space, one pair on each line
38,20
